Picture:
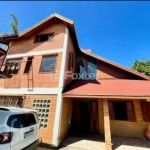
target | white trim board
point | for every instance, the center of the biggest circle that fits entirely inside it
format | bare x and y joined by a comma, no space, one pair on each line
29,91
35,53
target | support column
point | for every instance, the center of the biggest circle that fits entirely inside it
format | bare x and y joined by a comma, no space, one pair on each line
59,105
108,145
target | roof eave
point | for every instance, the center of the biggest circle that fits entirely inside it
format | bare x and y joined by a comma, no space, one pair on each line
7,39
53,16
106,96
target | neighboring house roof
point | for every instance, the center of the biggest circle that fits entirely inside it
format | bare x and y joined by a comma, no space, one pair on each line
108,87
8,38
116,65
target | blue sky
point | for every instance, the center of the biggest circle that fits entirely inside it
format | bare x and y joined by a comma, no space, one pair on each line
118,31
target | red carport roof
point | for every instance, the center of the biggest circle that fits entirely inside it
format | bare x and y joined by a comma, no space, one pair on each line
118,87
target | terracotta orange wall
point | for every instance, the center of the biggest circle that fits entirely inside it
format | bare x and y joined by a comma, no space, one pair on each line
28,45
108,71
125,128
66,117
70,48
46,134
44,80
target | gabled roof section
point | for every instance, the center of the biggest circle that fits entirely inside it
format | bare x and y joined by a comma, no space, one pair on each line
116,65
49,21
54,18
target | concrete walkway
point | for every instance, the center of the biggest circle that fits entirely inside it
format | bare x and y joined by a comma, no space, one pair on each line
124,143
82,144
85,142
96,142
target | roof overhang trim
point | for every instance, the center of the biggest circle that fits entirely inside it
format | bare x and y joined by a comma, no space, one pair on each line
7,39
116,65
108,96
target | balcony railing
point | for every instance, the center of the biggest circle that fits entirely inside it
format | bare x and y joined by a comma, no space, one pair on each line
15,101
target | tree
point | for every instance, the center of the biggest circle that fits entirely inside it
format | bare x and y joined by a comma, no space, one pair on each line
142,67
14,25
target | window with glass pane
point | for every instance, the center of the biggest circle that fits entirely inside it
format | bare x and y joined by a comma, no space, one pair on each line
44,37
50,36
12,66
92,69
87,69
82,69
28,65
21,120
48,64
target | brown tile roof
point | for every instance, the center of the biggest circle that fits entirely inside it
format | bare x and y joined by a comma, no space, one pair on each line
109,87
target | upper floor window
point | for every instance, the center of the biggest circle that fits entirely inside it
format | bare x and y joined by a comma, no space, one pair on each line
44,37
12,66
71,60
87,69
48,64
28,65
92,69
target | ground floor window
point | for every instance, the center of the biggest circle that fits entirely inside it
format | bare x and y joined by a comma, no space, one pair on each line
146,111
121,110
16,101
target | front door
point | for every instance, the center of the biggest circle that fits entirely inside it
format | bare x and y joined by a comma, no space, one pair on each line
85,116
94,116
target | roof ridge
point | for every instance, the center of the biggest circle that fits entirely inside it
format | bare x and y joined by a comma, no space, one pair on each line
62,17
44,20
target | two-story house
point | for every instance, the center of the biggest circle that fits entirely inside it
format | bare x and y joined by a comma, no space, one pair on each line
72,89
